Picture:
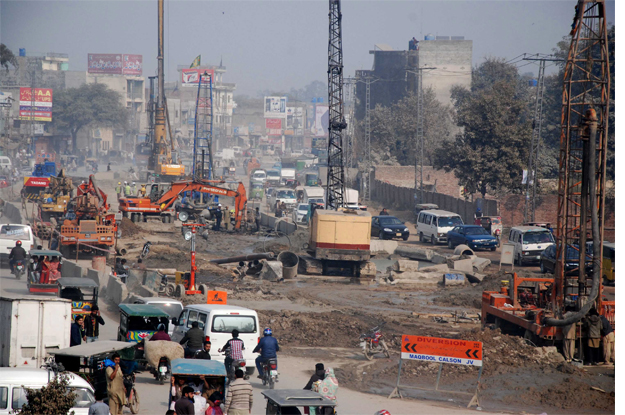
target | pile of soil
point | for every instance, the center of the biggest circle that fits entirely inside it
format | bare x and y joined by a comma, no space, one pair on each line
129,229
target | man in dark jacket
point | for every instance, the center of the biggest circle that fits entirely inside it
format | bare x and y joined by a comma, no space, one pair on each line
17,254
383,213
607,333
184,405
592,323
194,339
161,334
205,353
77,334
267,347
218,216
92,324
320,374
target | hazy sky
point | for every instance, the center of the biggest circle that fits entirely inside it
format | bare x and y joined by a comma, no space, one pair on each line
277,44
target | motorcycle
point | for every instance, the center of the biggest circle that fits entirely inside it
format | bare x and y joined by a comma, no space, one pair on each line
270,372
146,250
132,397
498,236
161,373
373,343
236,364
19,268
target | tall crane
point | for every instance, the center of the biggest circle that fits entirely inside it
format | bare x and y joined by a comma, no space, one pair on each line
203,139
336,171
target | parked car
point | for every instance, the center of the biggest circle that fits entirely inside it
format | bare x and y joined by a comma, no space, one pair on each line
300,214
389,227
529,242
474,236
548,260
433,225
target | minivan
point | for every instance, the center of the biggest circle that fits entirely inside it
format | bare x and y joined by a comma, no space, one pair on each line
218,321
529,242
5,162
433,225
14,380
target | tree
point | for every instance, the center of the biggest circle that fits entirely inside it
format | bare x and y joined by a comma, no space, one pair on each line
88,105
7,57
54,398
491,151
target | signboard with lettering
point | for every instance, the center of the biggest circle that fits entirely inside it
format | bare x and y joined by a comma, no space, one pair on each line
441,350
275,107
42,111
114,64
191,77
273,126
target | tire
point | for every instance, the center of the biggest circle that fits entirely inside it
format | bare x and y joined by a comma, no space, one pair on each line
271,383
183,216
203,289
134,402
449,244
386,351
421,238
161,379
521,261
542,268
433,240
368,354
405,238
170,289
493,249
180,291
249,371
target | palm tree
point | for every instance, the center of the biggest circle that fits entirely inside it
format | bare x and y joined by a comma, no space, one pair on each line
7,57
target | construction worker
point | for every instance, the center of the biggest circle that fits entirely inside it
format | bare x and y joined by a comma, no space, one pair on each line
118,190
127,189
142,191
134,188
227,218
218,216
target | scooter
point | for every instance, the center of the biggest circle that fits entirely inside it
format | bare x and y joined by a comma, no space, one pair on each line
19,268
161,373
132,397
270,372
373,343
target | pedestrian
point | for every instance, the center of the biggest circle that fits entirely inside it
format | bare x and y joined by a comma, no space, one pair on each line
176,390
184,405
384,212
92,324
570,333
239,397
319,374
78,334
257,218
326,388
108,167
118,190
218,216
99,407
205,353
593,330
227,218
608,340
115,386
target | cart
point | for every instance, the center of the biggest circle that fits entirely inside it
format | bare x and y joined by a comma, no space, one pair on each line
138,322
191,369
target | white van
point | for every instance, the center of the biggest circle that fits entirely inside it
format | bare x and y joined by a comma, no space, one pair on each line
5,162
218,321
10,233
529,242
433,225
168,305
13,394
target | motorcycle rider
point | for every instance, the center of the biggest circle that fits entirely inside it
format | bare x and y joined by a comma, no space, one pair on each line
234,350
267,347
204,353
194,338
17,254
161,334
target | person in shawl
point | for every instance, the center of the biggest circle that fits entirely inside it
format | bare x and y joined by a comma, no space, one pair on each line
326,388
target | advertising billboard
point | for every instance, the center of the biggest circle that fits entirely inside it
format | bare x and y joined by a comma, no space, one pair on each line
191,77
105,63
133,65
318,142
275,107
42,111
273,126
320,128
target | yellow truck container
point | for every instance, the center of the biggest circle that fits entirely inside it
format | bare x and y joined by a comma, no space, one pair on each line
341,236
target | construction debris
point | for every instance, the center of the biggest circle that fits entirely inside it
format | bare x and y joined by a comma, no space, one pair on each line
415,252
272,271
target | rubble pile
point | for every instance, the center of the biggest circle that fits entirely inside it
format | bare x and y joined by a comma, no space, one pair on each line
130,229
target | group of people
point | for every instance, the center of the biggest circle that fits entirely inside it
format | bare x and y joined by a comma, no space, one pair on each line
596,333
86,328
127,190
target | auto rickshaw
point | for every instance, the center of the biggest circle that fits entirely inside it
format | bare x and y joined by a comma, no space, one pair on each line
609,252
214,373
492,224
138,322
82,291
89,361
287,401
39,282
257,191
229,171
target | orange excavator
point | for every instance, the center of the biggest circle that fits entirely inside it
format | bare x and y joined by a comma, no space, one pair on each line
160,200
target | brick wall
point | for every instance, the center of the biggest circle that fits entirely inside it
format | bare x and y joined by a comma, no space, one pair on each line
446,183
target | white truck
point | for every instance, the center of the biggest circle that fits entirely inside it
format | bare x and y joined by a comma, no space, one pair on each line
32,327
287,174
314,194
351,196
10,233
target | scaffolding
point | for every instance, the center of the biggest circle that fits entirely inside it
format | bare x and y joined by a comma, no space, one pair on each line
203,137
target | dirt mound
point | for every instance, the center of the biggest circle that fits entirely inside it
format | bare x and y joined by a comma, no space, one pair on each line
129,229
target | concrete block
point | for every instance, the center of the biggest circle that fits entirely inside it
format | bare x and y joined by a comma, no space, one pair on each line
475,277
451,259
403,265
454,279
479,264
93,275
116,291
436,268
417,283
417,275
439,259
464,265
71,269
368,270
271,271
414,252
463,250
309,265
381,246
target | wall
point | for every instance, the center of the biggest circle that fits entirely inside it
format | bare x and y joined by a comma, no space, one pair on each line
283,226
446,183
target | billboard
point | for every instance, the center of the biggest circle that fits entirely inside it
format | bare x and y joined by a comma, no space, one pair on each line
133,65
42,111
294,118
114,64
273,126
191,77
275,107
320,128
318,142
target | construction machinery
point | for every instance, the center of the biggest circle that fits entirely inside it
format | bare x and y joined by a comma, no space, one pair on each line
88,226
161,202
203,138
53,200
536,307
38,180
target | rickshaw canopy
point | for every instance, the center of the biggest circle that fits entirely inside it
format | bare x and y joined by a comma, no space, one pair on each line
44,252
142,310
96,348
77,282
296,397
197,367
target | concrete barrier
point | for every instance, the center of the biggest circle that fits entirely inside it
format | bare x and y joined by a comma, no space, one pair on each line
378,245
12,213
72,270
94,275
116,291
282,225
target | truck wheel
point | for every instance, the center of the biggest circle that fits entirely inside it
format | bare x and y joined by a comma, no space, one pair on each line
180,292
433,239
421,238
170,289
203,289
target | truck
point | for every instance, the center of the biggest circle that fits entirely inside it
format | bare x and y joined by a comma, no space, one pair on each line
314,195
287,174
32,327
273,178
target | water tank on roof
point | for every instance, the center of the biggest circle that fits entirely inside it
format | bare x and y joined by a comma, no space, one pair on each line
22,51
429,36
533,82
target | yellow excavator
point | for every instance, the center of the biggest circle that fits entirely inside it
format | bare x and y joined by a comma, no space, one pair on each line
53,200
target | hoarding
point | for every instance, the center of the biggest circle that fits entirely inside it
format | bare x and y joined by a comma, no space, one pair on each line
294,117
191,77
275,107
105,63
320,128
133,65
42,111
273,126
441,350
318,142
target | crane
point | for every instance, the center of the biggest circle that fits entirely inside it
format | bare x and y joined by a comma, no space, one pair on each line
203,139
336,170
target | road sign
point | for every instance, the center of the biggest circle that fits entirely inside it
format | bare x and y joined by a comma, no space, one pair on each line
441,350
217,297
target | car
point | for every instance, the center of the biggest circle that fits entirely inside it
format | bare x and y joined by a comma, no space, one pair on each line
571,266
389,227
474,236
300,213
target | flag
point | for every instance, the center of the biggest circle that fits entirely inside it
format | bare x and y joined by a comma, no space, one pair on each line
196,62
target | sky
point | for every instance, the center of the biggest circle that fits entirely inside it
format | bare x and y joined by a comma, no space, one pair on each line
277,45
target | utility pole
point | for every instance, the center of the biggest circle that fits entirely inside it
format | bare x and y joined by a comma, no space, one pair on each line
366,191
420,141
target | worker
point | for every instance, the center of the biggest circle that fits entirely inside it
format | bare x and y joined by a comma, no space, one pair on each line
569,333
127,189
257,219
134,188
227,218
592,322
142,191
118,190
218,216
383,212
607,333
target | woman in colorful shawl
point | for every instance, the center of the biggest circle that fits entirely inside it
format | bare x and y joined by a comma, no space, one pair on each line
55,271
326,388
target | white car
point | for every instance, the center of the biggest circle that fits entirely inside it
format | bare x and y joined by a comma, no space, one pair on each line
300,213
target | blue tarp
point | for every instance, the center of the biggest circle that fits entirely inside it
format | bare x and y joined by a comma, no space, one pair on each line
197,367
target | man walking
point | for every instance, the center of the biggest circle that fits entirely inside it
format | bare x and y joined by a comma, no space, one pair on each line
218,216
569,333
118,190
92,324
239,397
115,387
78,332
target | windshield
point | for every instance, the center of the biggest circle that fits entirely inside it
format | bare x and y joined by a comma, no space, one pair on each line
225,324
257,186
390,221
496,221
173,309
475,231
84,397
273,173
445,222
286,194
539,237
303,207
260,175
146,323
317,200
14,232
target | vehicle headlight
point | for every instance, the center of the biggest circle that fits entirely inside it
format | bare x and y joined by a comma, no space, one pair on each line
388,230
441,234
405,229
526,253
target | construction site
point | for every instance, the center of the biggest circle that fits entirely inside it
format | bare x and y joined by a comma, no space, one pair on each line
366,293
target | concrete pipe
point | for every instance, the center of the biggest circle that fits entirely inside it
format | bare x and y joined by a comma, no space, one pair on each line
463,250
289,264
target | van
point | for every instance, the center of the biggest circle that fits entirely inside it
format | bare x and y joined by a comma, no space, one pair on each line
5,162
434,224
529,242
218,321
168,305
10,233
14,380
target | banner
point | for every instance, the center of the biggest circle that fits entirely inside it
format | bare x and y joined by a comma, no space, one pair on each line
275,107
105,63
133,65
42,111
273,126
320,129
191,77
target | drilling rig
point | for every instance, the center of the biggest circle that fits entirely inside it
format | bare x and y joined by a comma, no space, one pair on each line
581,197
